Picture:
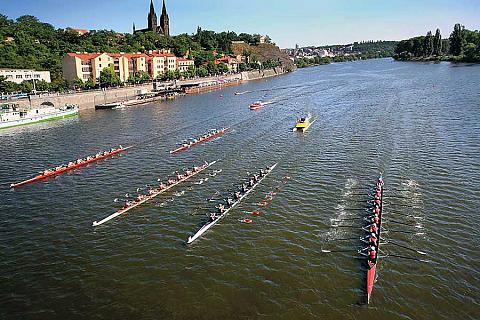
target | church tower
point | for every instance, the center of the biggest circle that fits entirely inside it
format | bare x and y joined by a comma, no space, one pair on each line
152,18
165,21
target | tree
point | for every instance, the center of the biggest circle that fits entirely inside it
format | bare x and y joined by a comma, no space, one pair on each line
212,68
108,77
437,43
428,44
457,40
202,71
222,67
78,83
89,84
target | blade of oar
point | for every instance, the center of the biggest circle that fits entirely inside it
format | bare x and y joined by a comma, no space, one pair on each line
405,247
408,258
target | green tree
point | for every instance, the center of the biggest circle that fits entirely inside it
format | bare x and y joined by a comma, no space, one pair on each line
222,68
108,77
89,84
457,40
78,83
437,43
428,44
212,68
202,71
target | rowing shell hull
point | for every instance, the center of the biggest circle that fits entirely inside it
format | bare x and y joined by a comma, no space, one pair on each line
372,266
372,269
210,224
183,148
60,171
150,197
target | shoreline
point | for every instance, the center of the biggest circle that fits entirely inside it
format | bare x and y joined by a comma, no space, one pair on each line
88,100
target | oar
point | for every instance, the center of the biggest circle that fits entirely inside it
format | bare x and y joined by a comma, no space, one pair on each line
334,251
408,258
404,231
354,209
405,247
404,224
404,214
344,239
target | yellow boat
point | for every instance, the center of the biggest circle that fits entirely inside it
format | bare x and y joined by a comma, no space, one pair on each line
304,123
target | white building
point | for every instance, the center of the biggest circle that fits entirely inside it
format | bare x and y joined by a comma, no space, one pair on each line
20,75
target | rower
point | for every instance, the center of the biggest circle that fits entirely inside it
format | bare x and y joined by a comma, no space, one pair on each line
244,188
236,195
120,146
161,186
251,183
229,201
372,253
213,216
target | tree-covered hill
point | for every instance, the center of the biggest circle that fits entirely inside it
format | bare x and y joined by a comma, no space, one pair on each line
28,43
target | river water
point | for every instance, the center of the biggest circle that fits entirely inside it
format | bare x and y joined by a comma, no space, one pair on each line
418,123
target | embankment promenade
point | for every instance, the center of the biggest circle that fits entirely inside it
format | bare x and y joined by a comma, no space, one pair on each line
88,99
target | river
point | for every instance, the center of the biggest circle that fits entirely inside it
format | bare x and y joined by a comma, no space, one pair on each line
418,123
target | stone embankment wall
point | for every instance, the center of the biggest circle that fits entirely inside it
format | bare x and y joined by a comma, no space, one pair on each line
88,100
260,74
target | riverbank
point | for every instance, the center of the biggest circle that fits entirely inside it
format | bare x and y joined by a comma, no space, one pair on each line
88,100
447,58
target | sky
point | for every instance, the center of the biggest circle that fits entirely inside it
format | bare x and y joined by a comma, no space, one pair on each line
287,22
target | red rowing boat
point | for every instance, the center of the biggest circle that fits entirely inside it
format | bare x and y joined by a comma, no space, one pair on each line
71,166
202,139
372,263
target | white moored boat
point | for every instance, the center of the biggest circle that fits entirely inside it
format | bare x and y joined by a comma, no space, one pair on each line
13,115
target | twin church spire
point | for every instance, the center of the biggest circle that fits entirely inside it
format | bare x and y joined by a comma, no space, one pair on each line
163,28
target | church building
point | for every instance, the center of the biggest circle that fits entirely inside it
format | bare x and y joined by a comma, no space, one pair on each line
164,27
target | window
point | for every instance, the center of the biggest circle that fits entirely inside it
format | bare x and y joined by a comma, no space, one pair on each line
86,76
100,59
28,76
100,65
9,76
86,69
37,76
19,76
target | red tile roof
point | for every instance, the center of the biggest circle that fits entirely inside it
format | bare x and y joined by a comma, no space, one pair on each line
84,56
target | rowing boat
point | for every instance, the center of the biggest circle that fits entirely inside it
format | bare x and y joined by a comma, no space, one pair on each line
372,265
65,168
201,140
210,224
155,193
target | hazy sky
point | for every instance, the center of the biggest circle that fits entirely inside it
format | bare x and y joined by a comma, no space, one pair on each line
306,22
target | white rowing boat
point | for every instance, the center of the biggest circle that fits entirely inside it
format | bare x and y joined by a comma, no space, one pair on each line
150,197
210,224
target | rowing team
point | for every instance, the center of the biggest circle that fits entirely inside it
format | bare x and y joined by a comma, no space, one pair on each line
373,229
162,186
235,197
203,137
80,161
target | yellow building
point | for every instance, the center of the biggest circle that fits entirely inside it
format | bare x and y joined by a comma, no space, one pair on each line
183,64
159,63
85,65
89,65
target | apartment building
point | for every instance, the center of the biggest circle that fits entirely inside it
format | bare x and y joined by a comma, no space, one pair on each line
20,75
183,64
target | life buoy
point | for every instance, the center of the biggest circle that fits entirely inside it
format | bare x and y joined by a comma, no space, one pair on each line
255,213
246,220
263,203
